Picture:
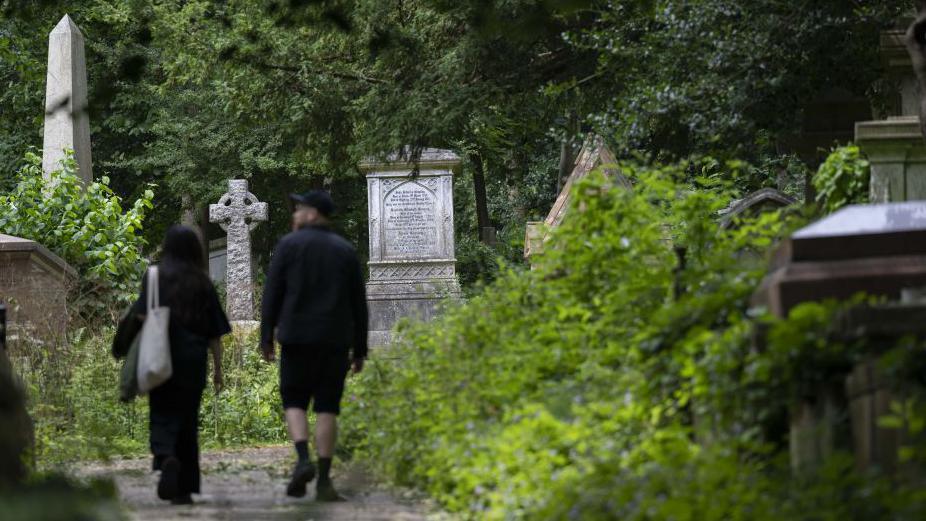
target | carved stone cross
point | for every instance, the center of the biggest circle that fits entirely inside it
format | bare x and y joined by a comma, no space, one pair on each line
238,212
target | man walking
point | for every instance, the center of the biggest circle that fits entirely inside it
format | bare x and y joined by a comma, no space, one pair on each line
315,303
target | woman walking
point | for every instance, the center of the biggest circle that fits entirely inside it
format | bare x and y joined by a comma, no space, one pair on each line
197,323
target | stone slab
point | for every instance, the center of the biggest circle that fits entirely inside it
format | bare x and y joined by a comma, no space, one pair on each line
862,231
800,282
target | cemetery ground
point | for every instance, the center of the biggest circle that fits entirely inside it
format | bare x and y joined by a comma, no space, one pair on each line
249,484
83,434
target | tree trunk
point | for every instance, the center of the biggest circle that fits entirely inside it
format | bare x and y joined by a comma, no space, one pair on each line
916,47
192,217
486,231
567,156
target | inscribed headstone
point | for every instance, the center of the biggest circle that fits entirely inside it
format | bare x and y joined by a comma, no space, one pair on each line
412,260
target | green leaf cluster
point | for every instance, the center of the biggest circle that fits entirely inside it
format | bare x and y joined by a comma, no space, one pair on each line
613,381
87,226
842,179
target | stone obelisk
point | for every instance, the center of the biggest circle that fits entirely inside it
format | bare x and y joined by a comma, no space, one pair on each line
67,124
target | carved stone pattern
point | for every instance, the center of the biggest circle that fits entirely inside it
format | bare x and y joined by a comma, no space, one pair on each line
433,183
388,184
411,272
234,211
430,182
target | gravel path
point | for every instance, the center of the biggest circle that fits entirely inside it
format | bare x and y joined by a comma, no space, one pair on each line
250,485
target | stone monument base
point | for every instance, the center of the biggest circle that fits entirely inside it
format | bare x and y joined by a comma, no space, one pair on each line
897,155
390,301
243,328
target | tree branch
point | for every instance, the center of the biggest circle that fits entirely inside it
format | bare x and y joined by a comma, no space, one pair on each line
319,72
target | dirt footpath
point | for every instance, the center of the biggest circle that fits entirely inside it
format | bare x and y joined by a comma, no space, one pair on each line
250,485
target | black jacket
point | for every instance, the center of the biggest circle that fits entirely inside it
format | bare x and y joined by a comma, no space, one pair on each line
314,293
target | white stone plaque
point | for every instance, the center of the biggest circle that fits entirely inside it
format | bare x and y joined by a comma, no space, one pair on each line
410,222
412,261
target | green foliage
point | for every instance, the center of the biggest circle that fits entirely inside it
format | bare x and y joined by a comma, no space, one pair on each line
85,225
842,179
610,382
58,498
721,77
74,401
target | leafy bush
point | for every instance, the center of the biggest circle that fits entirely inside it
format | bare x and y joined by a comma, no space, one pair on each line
842,179
74,401
85,225
610,382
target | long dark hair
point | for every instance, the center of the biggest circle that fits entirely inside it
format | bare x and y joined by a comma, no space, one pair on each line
184,281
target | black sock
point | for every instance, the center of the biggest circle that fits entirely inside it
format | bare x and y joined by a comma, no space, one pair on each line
324,471
302,450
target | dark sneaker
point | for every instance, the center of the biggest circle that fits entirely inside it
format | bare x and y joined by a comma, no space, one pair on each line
169,484
302,475
325,492
185,499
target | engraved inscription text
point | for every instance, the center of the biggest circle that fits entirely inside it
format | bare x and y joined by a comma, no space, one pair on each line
411,223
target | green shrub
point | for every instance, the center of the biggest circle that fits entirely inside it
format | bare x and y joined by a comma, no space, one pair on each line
85,225
58,498
74,401
842,179
609,382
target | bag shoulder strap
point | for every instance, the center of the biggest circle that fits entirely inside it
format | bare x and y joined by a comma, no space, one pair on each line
154,291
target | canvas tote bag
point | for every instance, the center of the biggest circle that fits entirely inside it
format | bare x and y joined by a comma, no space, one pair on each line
154,364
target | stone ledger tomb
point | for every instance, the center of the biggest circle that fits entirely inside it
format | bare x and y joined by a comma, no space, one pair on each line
67,124
33,285
412,260
238,212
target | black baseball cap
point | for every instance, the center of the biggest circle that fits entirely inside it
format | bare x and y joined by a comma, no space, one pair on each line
318,199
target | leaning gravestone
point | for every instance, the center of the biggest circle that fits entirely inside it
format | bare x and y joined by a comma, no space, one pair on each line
67,124
238,212
412,259
594,154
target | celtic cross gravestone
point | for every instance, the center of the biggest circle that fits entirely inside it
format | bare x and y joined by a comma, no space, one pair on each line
238,212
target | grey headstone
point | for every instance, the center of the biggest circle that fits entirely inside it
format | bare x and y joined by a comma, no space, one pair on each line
67,124
238,212
412,259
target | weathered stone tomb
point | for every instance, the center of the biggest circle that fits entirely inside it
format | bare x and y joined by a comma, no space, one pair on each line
412,256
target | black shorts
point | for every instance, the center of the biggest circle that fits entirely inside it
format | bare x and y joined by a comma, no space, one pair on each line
310,373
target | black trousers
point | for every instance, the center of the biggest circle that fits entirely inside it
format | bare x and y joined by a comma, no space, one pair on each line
174,423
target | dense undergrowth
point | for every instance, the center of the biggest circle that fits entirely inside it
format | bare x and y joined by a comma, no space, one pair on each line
614,381
73,399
